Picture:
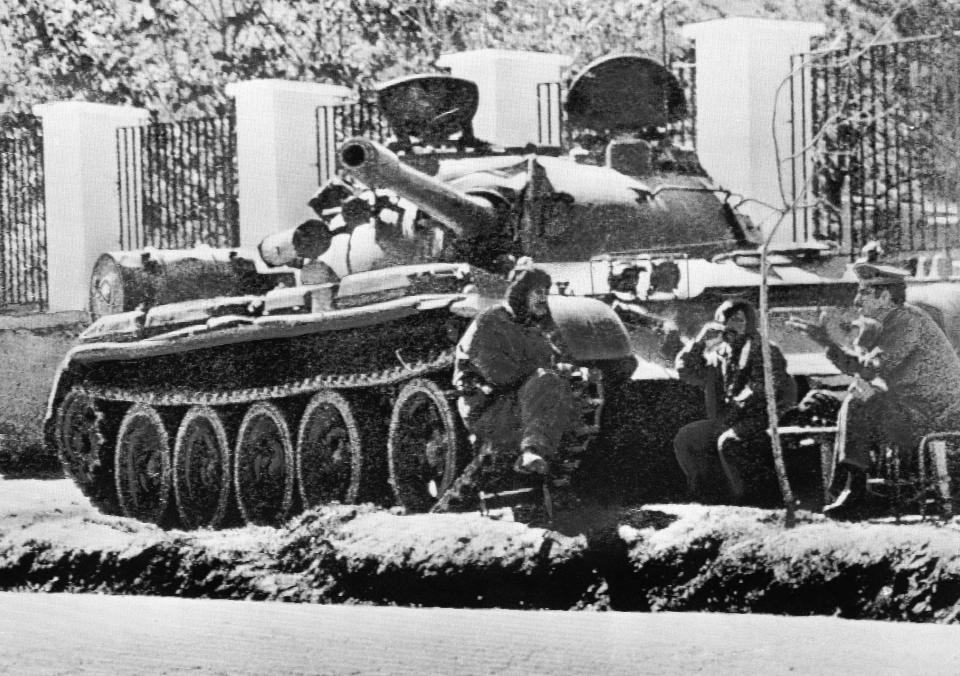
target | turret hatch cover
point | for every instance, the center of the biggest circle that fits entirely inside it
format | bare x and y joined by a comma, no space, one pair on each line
429,107
627,93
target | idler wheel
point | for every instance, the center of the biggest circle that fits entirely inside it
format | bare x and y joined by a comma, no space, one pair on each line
263,470
329,454
143,464
85,449
421,445
201,469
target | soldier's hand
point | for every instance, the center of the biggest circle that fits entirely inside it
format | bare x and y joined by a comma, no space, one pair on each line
710,331
816,331
861,389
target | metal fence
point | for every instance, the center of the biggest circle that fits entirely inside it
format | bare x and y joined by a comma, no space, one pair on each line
549,114
178,183
23,233
876,149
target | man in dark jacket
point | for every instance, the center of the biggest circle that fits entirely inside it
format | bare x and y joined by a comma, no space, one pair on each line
725,360
512,395
906,380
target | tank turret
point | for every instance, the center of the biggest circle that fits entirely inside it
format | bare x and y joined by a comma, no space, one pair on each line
640,191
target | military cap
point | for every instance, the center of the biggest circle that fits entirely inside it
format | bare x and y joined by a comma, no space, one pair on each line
872,274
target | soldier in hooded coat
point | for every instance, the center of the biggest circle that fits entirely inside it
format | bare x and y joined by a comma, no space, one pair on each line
508,373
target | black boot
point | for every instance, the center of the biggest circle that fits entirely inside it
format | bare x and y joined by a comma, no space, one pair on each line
851,503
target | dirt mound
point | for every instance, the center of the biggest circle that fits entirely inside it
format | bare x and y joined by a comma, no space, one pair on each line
666,557
744,561
438,560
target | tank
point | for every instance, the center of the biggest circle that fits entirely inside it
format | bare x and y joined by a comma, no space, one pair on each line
220,386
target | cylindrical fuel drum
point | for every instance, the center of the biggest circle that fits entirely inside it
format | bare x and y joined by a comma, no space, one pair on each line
122,280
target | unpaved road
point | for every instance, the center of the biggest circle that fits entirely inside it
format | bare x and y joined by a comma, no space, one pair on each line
85,634
90,634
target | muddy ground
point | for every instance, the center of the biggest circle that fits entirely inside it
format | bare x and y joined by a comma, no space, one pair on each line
650,558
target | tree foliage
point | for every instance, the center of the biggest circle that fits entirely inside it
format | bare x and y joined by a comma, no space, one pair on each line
174,57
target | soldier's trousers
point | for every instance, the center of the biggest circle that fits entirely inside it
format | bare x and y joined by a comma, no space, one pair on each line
695,447
534,416
865,424
719,472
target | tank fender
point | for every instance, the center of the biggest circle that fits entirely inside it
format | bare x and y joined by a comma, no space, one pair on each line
63,380
590,329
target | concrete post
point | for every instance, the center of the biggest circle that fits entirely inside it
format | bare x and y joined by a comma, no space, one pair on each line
740,64
80,192
507,114
277,148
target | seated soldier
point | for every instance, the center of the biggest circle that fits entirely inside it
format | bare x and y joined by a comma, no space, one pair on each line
906,381
512,395
725,360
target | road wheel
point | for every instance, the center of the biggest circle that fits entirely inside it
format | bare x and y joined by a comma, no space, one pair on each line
201,469
422,445
263,470
329,456
143,464
85,447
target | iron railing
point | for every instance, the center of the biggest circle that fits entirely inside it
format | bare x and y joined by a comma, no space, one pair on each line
549,114
23,232
876,149
177,183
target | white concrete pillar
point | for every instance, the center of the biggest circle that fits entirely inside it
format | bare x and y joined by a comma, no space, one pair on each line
277,151
80,192
507,114
740,64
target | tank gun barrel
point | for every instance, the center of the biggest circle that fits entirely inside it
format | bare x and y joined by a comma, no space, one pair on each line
465,215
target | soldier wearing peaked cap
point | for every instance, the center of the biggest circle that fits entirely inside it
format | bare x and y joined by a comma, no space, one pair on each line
906,380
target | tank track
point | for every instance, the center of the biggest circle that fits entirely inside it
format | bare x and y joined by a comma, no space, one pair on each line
473,477
191,397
